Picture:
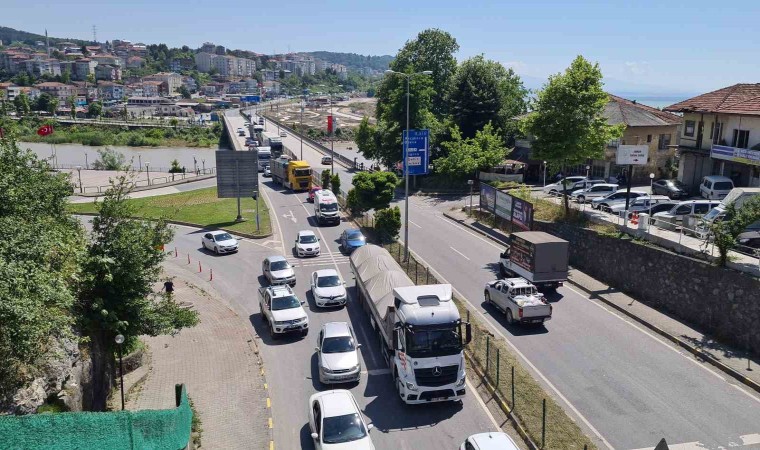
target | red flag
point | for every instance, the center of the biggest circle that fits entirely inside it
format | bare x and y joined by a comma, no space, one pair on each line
329,124
45,130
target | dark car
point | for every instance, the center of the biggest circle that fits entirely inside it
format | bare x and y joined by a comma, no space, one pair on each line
351,239
674,189
748,240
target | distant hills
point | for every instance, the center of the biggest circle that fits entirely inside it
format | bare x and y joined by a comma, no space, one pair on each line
10,35
353,60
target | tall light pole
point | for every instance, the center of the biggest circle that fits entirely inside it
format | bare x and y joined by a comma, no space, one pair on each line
405,164
651,194
300,130
544,173
147,171
79,169
120,340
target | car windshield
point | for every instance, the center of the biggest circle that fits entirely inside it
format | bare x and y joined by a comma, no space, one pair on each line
288,302
328,281
329,207
355,236
223,237
308,239
339,429
339,344
302,172
433,342
264,156
279,265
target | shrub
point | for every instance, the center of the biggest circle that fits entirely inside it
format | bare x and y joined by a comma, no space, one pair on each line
110,160
326,179
388,223
335,184
353,204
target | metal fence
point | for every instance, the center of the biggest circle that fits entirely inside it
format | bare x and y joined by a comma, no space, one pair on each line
152,181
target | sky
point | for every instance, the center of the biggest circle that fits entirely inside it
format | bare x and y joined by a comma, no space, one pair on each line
659,47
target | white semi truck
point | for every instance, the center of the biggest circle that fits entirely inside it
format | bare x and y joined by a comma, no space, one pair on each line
422,335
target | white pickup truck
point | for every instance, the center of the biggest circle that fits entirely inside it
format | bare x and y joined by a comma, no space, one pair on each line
519,299
282,311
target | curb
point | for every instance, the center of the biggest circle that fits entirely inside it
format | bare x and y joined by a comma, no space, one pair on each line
149,188
679,342
195,225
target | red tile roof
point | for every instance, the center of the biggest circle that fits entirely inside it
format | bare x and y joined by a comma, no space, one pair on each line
737,99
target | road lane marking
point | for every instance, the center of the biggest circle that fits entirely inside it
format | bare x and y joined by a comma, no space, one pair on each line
415,224
276,219
517,351
290,216
461,227
269,402
460,253
476,394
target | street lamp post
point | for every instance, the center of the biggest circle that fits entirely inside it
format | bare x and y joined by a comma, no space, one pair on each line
588,171
300,130
203,161
195,165
86,161
544,173
147,171
405,165
120,340
79,169
139,162
651,185
470,182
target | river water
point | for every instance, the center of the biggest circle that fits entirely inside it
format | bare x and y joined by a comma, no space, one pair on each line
159,158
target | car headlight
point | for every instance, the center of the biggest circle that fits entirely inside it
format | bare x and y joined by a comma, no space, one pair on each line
411,386
462,381
326,370
281,322
357,367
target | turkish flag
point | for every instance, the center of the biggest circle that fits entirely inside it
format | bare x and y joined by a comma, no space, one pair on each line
45,130
329,124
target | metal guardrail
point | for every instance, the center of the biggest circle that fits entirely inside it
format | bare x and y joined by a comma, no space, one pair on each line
154,181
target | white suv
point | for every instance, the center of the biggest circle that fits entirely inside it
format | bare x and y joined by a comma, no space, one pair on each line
596,191
282,311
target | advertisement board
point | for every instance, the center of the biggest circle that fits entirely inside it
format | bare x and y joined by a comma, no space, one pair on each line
522,213
635,155
487,197
740,155
521,252
503,206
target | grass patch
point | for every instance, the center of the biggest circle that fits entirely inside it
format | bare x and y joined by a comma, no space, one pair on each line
52,405
200,207
196,427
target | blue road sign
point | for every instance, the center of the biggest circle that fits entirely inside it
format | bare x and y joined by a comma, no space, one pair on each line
417,151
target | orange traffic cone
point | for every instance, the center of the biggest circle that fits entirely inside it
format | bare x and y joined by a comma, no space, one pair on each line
635,218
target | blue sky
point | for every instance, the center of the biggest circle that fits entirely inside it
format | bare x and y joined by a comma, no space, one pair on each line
659,47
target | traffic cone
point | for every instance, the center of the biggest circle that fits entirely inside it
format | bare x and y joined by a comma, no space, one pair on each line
635,218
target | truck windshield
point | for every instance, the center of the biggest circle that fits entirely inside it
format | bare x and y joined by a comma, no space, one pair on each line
438,342
265,156
328,207
302,172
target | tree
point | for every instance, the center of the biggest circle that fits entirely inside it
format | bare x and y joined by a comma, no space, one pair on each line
567,123
335,184
39,263
91,79
374,190
326,179
110,159
465,156
53,105
43,102
184,92
95,109
388,223
66,77
483,91
366,139
21,102
734,223
353,204
174,122
71,102
123,263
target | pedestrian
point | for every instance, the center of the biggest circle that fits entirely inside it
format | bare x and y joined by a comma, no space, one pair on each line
169,287
183,169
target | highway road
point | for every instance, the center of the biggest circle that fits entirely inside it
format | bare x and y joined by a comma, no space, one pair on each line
620,382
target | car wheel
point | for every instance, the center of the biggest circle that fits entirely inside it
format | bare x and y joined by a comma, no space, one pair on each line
305,333
203,244
272,334
488,297
553,193
216,250
581,199
510,319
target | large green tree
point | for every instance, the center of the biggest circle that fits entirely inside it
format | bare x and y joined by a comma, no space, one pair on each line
40,255
374,190
95,109
366,139
22,104
465,156
123,264
567,124
483,91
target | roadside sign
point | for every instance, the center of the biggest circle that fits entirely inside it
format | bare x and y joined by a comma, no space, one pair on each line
635,155
237,174
417,152
522,213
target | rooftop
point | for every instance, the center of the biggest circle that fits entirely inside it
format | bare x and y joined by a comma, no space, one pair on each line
742,98
633,114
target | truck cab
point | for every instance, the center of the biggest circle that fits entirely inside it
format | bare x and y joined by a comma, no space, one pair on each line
519,300
326,207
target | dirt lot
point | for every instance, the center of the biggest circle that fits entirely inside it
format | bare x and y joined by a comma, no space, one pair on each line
348,113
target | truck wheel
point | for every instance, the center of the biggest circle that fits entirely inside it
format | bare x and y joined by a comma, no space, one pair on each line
510,319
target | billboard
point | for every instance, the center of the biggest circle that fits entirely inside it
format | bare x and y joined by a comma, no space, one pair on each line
503,206
635,155
237,173
740,155
522,213
487,197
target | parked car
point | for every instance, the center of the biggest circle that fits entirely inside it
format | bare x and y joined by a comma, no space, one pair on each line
327,288
267,172
749,240
312,192
277,270
307,244
241,131
282,311
605,203
556,188
283,134
338,354
674,189
677,213
640,204
489,441
326,160
219,242
519,299
336,422
597,191
715,187
351,239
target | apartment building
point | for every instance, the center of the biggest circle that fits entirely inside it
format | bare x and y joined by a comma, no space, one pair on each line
107,72
226,66
173,80
58,90
721,135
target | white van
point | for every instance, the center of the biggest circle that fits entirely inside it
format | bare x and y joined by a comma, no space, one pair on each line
326,207
715,187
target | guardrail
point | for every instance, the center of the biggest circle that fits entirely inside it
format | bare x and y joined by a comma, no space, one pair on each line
154,182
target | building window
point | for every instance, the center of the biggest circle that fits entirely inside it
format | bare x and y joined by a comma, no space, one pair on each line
664,142
613,143
649,138
716,132
741,138
689,128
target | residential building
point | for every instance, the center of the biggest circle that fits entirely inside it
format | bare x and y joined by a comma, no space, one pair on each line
110,91
180,64
107,59
155,88
271,88
144,101
42,65
173,80
721,135
190,84
55,89
204,61
85,91
107,72
83,67
227,67
644,125
135,62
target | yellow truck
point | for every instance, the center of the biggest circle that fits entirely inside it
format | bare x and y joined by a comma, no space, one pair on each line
295,175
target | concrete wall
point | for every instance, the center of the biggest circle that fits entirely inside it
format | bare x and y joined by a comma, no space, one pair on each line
721,302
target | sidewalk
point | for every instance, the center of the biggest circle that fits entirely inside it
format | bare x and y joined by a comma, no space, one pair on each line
726,358
218,363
